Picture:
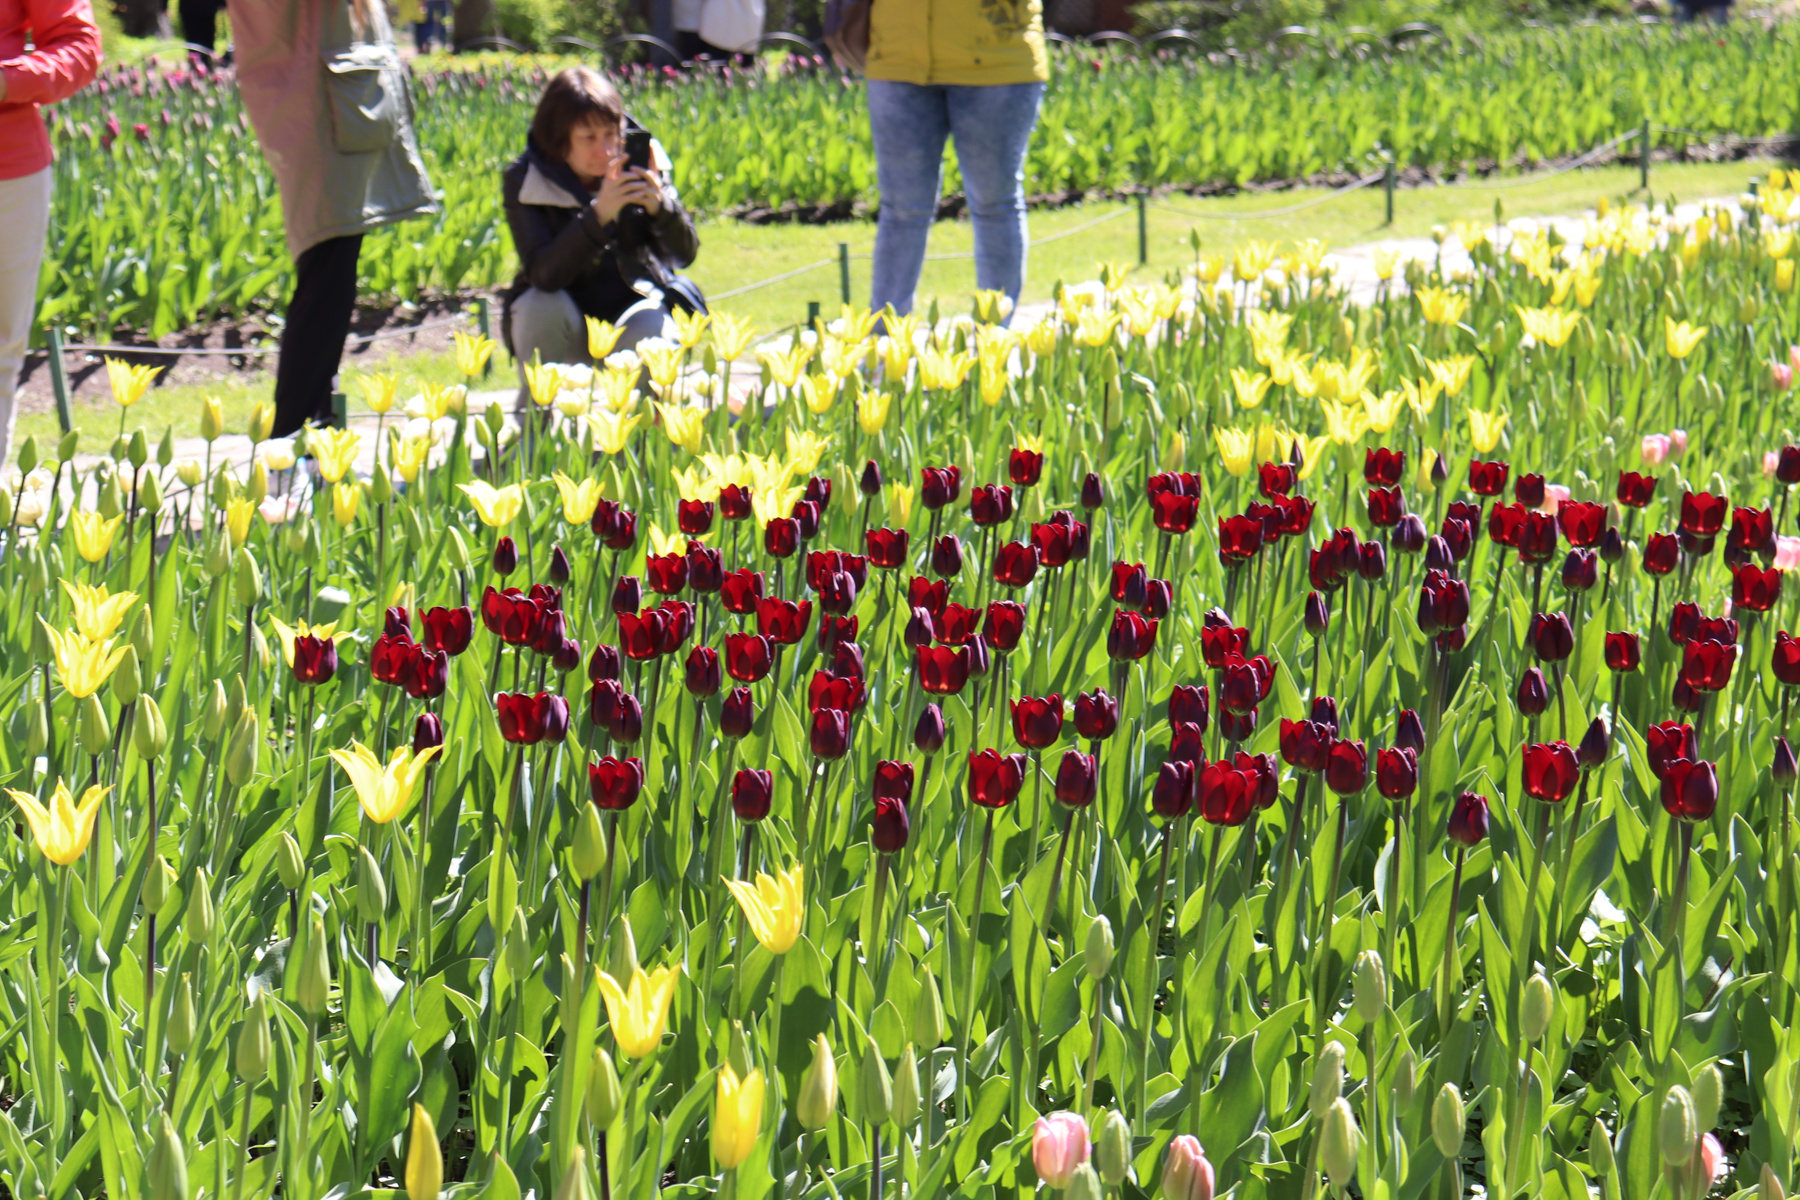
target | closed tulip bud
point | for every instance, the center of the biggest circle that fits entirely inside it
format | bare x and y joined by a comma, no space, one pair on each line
1601,1163
908,1103
219,557
1448,1121
371,890
1084,1184
1537,1007
37,731
1676,1127
312,972
149,733
249,580
41,649
257,489
126,682
252,1056
1406,1077
1097,948
588,853
212,716
1340,1142
381,486
1318,614
605,1098
150,495
424,1158
1782,770
1767,1188
1327,1080
197,921
818,1088
289,864
165,1174
870,484
92,725
624,957
158,881
241,751
1186,1175
877,1087
928,1012
181,1017
1709,1089
1112,1148
142,636
6,507
138,450
28,455
1370,986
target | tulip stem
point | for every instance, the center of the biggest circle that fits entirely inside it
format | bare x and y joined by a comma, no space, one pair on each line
1676,923
1147,1001
1337,865
1452,961
966,1018
1056,874
243,1143
1565,854
606,879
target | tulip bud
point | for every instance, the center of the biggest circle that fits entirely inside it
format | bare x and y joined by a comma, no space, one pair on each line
604,1096
371,890
125,680
165,1174
150,495
424,1158
1097,949
252,1057
249,580
219,557
1596,744
624,958
149,734
381,486
1186,1175
197,921
6,507
928,1012
1537,1007
1083,1184
1767,1188
1112,1148
588,853
1709,1088
37,730
907,1099
1318,614
311,986
212,716
1340,1141
28,455
1676,1127
1601,1163
1369,988
1327,1080
1406,1077
877,1086
158,881
1784,768
241,751
111,500
818,1088
181,1017
257,489
138,449
1448,1121
289,864
94,729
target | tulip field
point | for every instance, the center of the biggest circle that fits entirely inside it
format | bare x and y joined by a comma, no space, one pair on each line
169,218
1211,739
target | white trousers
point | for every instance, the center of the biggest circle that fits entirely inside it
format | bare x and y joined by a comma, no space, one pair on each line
25,216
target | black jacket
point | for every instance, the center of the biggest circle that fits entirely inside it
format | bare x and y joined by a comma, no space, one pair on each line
563,247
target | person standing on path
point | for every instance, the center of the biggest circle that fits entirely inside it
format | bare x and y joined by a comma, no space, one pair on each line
971,70
64,55
325,90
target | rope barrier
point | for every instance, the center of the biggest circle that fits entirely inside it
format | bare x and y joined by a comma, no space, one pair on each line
1364,182
1730,139
254,351
1536,176
762,283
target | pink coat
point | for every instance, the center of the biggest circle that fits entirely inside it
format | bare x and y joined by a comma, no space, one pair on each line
64,56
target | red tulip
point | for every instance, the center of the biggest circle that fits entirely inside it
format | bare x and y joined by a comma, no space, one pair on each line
957,624
1635,491
995,778
627,595
1237,727
641,636
1276,479
1487,478
1468,822
1702,514
1550,771
1188,742
1386,507
738,713
1754,589
1373,563
1220,643
805,514
1305,745
447,629
782,621
893,781
752,793
1004,625
1552,637
1582,523
526,719
1037,721
886,547
1190,704
1537,537
388,659
837,593
1172,512
818,491
428,731
842,692
830,736
616,527
781,536
1096,715
666,573
1227,795
506,556
1175,791
1131,636
943,670
1752,531
1383,467
1093,492
706,568
1076,779
1529,490
694,517
315,659
627,721
1622,653
1690,790
1785,660
428,674
740,590
701,675
939,486
1443,603
891,827
928,594
847,660
990,504
1506,522
1347,767
947,557
1662,553
1024,467
1706,665
1015,564
1666,742
735,502
1240,687
678,623
836,631
1396,772
615,783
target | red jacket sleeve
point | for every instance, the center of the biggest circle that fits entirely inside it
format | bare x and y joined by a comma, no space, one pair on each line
66,56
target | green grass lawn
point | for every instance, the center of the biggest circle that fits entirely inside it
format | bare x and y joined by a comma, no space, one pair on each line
734,255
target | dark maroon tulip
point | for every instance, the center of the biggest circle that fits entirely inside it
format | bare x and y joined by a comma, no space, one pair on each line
806,515
627,595
1596,744
1396,772
1506,524
735,502
1004,625
752,793
886,547
615,783
702,676
1176,789
1752,531
616,527
830,736
1550,771
1173,512
835,630
943,670
1783,768
506,556
315,659
1683,697
1580,570
1383,467
738,713
928,731
1386,507
706,568
955,625
428,731
1129,581
666,573
1706,665
1487,478
1552,638
844,693
694,517
568,657
1468,822
1076,779
990,504
447,630
389,659
1754,589
1317,614
1015,564
870,483
1131,636
740,590
928,594
893,781
1237,727
1443,602
1580,522
1409,731
781,536
782,621
1296,515
995,778
748,656
526,719
1239,539
1458,538
1690,790
552,631
1305,745
603,702
678,623
1055,540
1787,465
429,673
847,659
1240,688
1635,491
1093,492
1702,514
1275,479
939,486
1347,767
1537,537
1219,644
1529,490
1024,467
1190,704
1158,596
1784,661
1226,794
891,827
921,629
1622,652
627,724
1096,715
1666,742
818,491
396,623
1533,695
1662,553
837,593
1187,742
1373,562
947,557
1684,622
641,635
1409,534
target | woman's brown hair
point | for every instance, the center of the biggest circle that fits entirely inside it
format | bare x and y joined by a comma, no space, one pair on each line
576,95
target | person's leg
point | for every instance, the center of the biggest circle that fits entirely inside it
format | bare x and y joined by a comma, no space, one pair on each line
312,341
200,23
546,328
992,128
25,213
909,123
645,319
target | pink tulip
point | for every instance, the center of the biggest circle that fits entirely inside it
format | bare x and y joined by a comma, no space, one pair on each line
1712,1157
1654,449
1554,495
1787,553
1794,357
1678,442
1059,1144
1771,460
1186,1174
1781,376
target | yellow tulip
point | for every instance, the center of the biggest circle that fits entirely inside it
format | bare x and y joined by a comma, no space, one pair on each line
1236,449
378,389
602,338
345,499
579,499
737,1116
993,380
856,324
335,450
872,410
1249,261
1451,374
775,908
472,353
1778,243
425,1158
785,365
262,420
1680,338
1040,339
818,394
1033,442
1208,268
660,545
277,455
63,830
731,336
1138,312
189,471
408,455
804,450
435,401
495,506
1344,423
98,613
663,362
286,634
1309,255
900,504
1385,410
239,512
93,533
1485,429
771,500
684,426
941,371
1548,326
638,1012
385,790
212,419
1470,233
689,327
1440,306
1385,262
1312,453
612,432
616,388
1422,396
1784,275
543,382
1094,330
840,357
1250,388
1560,286
129,383
82,666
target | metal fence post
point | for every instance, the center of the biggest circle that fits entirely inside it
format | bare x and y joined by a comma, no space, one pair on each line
1387,185
1143,203
844,271
1644,156
483,322
340,411
59,380
812,314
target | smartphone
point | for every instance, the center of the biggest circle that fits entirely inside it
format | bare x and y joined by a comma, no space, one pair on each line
637,148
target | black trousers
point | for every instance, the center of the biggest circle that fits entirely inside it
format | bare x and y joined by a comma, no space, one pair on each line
200,22
312,342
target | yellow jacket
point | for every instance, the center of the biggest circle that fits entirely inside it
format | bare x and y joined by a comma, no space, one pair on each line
957,41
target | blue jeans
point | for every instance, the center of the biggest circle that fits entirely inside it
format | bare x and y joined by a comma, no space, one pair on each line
992,126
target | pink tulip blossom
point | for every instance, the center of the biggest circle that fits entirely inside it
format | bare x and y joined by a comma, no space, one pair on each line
1554,496
1678,442
1771,460
1059,1144
1654,449
1712,1157
1186,1174
1787,553
1781,377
